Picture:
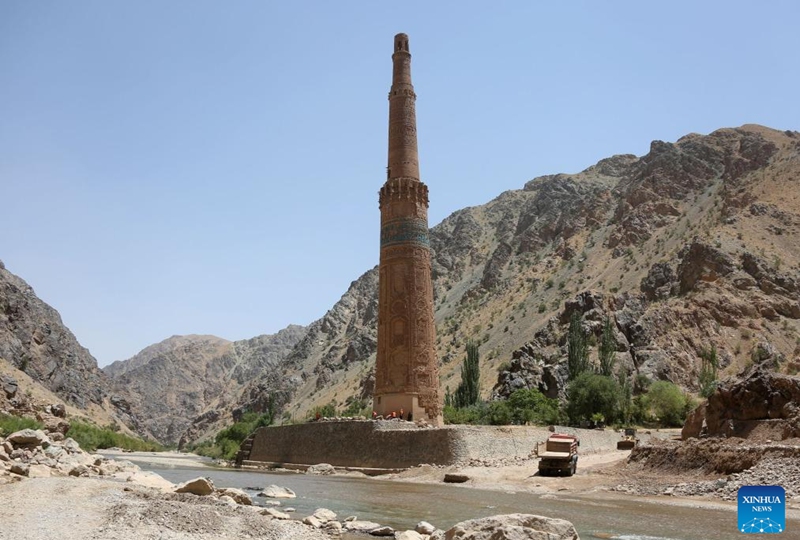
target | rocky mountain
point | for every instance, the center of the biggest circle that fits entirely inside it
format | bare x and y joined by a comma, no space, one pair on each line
195,381
690,246
41,360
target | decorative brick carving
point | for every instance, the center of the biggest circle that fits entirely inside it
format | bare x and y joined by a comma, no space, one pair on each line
406,373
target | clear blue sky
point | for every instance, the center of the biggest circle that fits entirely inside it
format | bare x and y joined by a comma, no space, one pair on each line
181,167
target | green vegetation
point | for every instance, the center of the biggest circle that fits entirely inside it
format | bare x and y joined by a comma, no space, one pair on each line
667,403
92,437
522,407
226,443
10,424
591,395
577,347
468,391
608,349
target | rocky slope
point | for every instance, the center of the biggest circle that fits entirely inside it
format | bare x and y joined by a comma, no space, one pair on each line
689,246
195,381
40,359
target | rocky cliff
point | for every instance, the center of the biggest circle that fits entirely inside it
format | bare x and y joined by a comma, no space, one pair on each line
688,247
41,360
194,382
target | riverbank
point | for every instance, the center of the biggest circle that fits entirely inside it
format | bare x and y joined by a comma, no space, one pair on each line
113,503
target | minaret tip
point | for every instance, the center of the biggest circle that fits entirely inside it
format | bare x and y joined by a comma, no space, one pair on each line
401,42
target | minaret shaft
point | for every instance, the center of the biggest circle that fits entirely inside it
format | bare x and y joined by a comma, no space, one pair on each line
406,371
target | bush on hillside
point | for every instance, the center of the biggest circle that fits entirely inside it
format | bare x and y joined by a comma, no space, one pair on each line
92,438
10,424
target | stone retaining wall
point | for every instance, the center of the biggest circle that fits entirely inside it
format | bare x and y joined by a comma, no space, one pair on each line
391,445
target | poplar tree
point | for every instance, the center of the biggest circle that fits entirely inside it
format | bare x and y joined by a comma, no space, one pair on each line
468,391
577,347
608,349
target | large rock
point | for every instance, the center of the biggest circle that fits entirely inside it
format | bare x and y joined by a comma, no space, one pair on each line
321,468
757,400
277,514
361,526
197,486
239,496
277,492
9,386
28,437
324,515
510,527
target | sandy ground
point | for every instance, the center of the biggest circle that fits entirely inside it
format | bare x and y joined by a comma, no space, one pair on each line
98,509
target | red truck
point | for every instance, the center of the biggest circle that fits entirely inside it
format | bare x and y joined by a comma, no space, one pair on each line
558,455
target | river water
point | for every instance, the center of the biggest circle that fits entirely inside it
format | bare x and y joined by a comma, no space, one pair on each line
401,505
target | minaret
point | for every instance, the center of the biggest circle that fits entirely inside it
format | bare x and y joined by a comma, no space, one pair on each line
406,371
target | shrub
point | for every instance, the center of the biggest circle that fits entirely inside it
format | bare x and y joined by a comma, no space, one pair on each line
227,441
531,406
667,402
10,424
91,438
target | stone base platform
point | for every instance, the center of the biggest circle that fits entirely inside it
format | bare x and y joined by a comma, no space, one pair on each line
372,446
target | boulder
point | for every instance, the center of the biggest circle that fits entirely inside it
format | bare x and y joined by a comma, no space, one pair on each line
197,486
40,471
510,527
423,527
360,526
408,535
239,496
21,469
71,446
758,398
9,385
79,470
321,468
333,527
382,531
452,478
277,514
227,500
151,480
324,515
28,437
314,522
277,492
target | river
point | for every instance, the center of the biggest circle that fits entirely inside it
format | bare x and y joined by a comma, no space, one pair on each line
401,505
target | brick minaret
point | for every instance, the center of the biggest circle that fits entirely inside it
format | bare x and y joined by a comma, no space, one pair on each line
406,371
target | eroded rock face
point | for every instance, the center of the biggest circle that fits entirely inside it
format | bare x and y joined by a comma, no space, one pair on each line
510,527
759,401
34,339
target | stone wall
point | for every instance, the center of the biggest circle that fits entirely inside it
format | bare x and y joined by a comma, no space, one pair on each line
395,445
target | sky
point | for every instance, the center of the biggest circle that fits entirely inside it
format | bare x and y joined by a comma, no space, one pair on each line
197,167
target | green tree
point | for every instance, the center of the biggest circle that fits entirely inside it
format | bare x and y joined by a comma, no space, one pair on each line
469,389
608,349
708,371
577,347
528,405
667,402
590,394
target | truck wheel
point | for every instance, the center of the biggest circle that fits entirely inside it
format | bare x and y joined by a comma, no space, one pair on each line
574,469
